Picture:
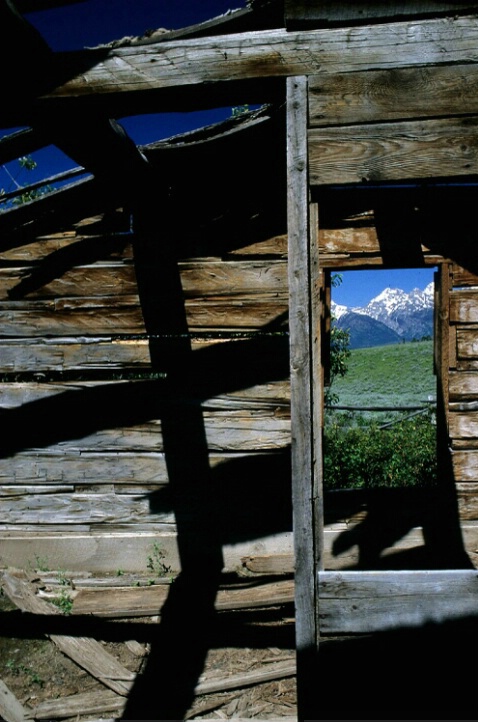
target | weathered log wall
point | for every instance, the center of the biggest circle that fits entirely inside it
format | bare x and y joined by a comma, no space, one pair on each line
84,467
369,129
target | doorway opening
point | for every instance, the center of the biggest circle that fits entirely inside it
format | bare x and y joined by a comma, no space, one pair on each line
380,421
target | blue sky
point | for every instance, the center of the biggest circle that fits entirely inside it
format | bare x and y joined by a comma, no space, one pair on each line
94,22
359,287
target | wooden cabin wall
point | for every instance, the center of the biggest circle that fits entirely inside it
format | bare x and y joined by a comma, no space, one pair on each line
463,397
368,131
84,474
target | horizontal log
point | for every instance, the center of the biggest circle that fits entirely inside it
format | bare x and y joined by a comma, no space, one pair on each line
88,353
360,246
97,280
111,551
199,279
391,95
80,508
364,602
270,397
463,276
393,151
129,549
463,385
192,64
464,306
13,490
467,344
126,472
465,365
123,315
73,354
463,425
313,13
243,433
465,466
148,601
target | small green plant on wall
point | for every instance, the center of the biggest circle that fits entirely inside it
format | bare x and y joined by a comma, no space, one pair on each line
156,564
63,600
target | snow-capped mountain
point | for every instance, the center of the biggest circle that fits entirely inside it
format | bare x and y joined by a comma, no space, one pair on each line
392,316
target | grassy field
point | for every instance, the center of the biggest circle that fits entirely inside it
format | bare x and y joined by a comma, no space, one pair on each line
366,450
397,375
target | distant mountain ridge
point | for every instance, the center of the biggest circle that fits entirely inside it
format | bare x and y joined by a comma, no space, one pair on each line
391,317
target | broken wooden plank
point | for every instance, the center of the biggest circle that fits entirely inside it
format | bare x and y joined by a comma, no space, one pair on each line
278,670
94,702
84,703
11,710
87,653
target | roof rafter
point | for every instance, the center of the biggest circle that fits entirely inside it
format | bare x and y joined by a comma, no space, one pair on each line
198,73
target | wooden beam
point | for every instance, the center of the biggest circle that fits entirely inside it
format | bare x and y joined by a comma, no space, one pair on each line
394,151
323,13
382,95
364,602
301,380
19,144
199,72
11,708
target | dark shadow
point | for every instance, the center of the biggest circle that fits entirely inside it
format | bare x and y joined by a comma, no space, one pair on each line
87,250
388,516
422,673
188,618
248,628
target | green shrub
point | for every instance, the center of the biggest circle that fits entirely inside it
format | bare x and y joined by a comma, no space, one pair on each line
367,456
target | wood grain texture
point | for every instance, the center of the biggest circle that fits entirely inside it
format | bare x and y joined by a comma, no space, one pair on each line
467,344
11,708
208,64
464,306
465,466
316,13
464,425
352,602
464,385
394,151
392,95
300,363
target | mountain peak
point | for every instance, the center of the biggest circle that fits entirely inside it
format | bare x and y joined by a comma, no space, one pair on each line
407,315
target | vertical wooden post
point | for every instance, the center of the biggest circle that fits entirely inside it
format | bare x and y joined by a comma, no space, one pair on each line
304,324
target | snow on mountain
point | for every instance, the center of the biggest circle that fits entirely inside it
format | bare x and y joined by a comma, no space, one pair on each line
410,315
338,310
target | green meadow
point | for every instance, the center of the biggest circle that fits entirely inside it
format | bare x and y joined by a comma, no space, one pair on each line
395,375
